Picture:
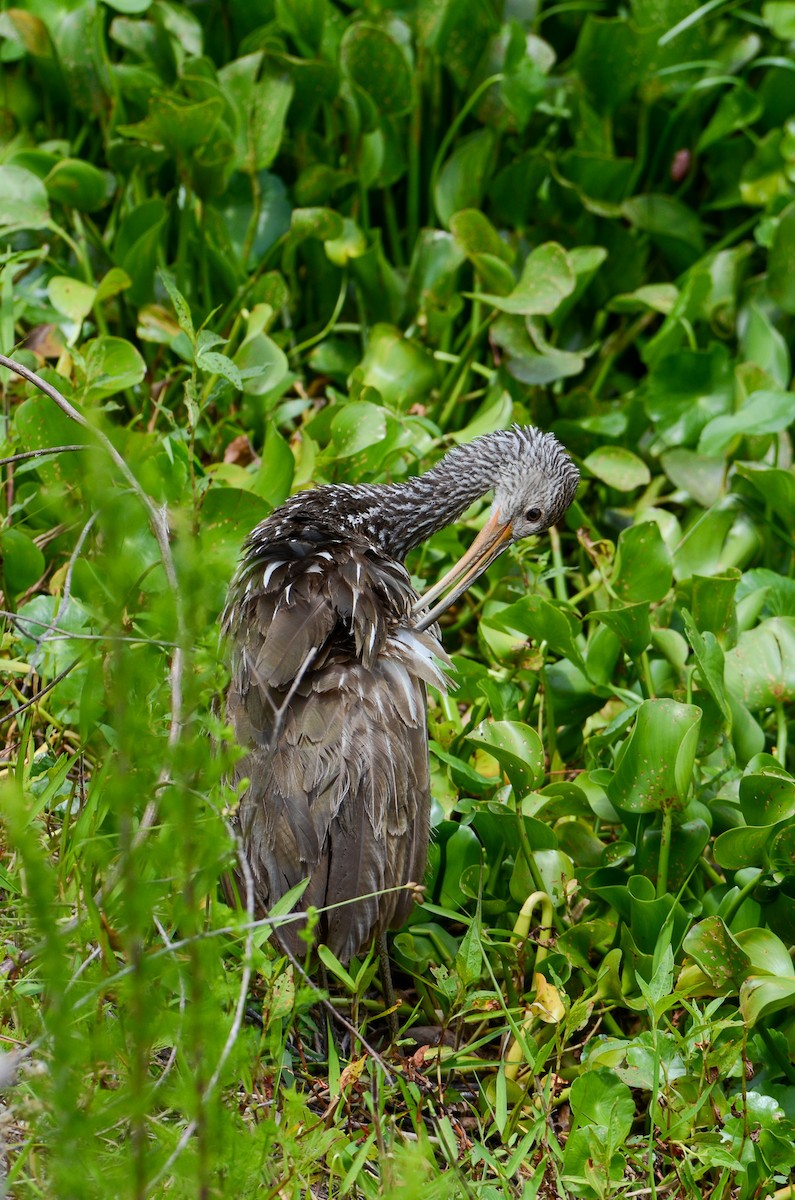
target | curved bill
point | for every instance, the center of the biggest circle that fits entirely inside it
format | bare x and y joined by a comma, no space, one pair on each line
493,538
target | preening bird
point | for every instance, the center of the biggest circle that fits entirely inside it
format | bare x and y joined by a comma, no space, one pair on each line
331,652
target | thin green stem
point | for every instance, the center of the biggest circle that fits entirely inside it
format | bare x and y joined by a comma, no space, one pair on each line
665,851
452,132
781,740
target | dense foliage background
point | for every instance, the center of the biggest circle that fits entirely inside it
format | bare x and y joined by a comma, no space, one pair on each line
264,243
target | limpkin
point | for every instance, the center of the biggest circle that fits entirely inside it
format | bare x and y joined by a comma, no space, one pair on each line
331,652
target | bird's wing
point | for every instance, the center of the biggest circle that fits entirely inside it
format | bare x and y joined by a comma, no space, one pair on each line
328,695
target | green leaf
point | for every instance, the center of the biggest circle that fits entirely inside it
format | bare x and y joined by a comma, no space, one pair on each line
598,1097
763,412
761,667
781,261
262,364
79,185
665,218
517,748
181,307
220,364
547,278
275,475
110,365
476,235
535,616
322,223
779,15
737,109
22,561
356,427
378,65
261,105
462,180
399,367
642,569
631,625
761,996
655,765
650,297
710,944
71,297
23,199
618,468
709,657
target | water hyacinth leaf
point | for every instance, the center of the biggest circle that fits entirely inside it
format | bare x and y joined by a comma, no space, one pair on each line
535,616
666,219
109,365
642,570
762,995
517,748
22,560
136,246
767,791
610,59
399,367
650,297
719,539
781,262
781,851
260,102
350,243
630,624
599,1098
547,279
618,468
687,389
378,65
488,420
113,282
23,199
462,851
710,661
762,343
356,427
462,180
713,607
228,515
655,765
604,645
763,412
79,185
735,849
716,951
651,918
129,7
773,484
262,364
761,667
557,871
476,235
275,475
737,108
71,297
322,223
179,124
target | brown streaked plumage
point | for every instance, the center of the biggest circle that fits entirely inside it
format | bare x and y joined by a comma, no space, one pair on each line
332,650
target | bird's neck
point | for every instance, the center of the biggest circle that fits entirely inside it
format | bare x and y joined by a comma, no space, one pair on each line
414,510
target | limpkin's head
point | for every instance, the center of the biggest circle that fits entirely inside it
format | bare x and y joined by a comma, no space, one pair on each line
534,484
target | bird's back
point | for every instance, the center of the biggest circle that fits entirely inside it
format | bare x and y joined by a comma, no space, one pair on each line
328,698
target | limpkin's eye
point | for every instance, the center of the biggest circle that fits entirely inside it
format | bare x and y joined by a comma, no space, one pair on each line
532,514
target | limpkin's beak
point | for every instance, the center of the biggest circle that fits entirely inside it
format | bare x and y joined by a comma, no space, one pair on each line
493,538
